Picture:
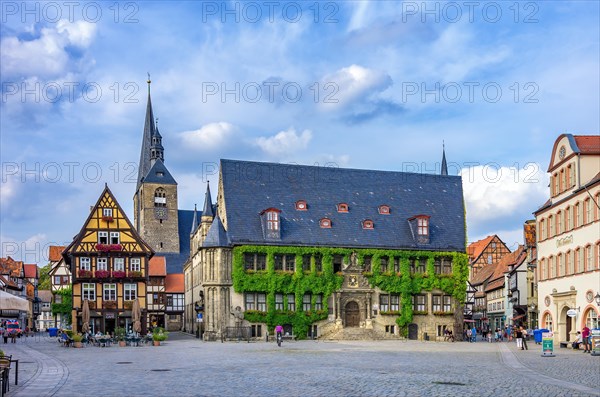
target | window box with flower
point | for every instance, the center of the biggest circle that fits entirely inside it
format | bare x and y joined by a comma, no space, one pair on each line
84,273
135,274
109,247
107,219
102,274
118,274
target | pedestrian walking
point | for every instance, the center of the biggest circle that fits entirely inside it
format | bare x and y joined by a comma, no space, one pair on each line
470,335
524,338
585,338
519,335
474,334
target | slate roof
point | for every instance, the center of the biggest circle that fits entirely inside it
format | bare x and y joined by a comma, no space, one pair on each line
159,174
176,260
251,187
208,206
149,127
216,235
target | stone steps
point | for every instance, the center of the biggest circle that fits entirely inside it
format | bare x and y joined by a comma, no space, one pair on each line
355,333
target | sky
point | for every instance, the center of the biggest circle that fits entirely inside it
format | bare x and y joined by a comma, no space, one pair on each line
362,84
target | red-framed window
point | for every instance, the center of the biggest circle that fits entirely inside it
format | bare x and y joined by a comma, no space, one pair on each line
301,205
325,223
272,218
342,207
368,224
423,226
384,209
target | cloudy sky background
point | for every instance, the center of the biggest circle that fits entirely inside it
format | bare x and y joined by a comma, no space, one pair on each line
376,85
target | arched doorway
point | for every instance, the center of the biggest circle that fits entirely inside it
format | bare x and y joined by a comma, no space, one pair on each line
565,325
352,314
413,331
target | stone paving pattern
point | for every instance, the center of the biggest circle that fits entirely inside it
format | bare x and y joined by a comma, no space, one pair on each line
185,366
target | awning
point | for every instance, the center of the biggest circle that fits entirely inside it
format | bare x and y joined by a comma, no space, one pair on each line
12,302
518,317
469,321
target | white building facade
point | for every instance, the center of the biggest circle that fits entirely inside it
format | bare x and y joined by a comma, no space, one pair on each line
568,238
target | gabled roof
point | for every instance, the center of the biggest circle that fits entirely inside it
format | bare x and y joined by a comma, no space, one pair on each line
250,187
514,258
8,282
106,195
158,173
495,284
474,250
31,270
45,295
55,252
174,283
157,266
216,235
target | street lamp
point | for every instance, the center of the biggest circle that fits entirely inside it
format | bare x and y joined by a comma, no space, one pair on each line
597,298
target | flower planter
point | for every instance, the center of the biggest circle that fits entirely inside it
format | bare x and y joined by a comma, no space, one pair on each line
77,345
156,343
122,343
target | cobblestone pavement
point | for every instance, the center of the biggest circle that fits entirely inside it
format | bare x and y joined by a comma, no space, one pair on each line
185,366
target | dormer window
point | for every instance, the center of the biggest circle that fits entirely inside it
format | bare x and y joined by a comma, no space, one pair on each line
301,205
419,225
272,220
423,226
325,223
342,207
367,224
271,223
384,209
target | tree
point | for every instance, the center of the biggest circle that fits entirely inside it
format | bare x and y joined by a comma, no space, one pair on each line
44,279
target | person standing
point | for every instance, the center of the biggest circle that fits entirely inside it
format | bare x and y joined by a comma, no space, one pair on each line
474,334
519,335
524,338
585,338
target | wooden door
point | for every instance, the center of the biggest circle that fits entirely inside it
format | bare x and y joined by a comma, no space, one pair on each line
352,314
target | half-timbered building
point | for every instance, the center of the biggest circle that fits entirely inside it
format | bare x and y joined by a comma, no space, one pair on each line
109,265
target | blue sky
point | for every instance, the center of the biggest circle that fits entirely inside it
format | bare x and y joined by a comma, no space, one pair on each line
361,84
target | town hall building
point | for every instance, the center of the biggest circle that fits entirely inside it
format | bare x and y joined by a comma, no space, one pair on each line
325,252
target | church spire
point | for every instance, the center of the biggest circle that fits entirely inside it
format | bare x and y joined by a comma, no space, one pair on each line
194,221
444,164
208,207
149,129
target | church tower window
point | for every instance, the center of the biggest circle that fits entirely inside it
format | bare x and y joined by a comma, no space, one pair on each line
160,197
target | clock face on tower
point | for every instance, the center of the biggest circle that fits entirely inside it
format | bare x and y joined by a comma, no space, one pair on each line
353,281
160,213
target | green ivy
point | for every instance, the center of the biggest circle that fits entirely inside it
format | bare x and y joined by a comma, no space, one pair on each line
66,306
326,282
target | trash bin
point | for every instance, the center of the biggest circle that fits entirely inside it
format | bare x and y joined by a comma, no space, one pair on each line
537,334
52,331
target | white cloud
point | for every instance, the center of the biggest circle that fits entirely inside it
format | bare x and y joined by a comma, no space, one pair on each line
45,56
210,136
359,15
352,84
493,193
284,142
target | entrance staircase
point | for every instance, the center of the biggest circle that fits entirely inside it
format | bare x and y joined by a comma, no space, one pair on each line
356,333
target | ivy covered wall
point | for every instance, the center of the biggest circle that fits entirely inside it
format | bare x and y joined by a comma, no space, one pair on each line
299,282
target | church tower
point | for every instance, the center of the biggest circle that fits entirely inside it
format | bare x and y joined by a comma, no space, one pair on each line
155,199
